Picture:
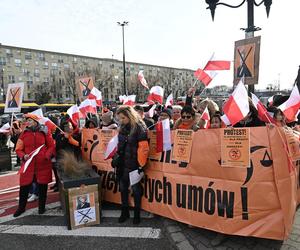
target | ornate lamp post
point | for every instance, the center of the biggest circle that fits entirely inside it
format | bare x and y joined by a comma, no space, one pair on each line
124,70
249,31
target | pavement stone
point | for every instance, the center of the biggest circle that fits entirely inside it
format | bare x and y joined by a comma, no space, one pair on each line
173,229
184,245
178,237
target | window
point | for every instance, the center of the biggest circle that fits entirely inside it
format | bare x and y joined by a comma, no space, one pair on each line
74,60
66,66
60,59
36,63
11,79
46,65
9,53
28,55
46,79
18,62
2,61
26,62
28,95
41,56
36,72
54,65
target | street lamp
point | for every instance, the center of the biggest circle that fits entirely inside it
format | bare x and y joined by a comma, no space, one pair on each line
249,31
124,76
2,83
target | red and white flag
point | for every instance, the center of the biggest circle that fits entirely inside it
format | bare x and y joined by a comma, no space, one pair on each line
205,76
206,117
156,95
291,106
142,79
112,147
44,120
96,94
163,136
151,111
122,97
29,160
237,106
208,73
5,128
129,100
271,100
169,101
88,106
263,114
74,114
217,64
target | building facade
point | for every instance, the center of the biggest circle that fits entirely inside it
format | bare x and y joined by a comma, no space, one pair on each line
50,76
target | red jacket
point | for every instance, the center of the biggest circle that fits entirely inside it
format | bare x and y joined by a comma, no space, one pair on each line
41,165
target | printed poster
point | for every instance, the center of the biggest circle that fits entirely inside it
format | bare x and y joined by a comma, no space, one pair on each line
293,144
84,209
14,98
152,146
235,147
105,137
183,141
84,87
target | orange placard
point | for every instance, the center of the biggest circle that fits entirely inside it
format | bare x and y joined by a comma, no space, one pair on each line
183,141
204,194
235,147
105,137
85,85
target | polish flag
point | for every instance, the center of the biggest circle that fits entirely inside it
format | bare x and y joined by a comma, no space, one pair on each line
96,94
5,128
74,114
44,120
112,148
142,79
291,106
216,64
206,117
163,136
169,101
263,114
205,76
151,111
271,100
156,95
237,106
129,100
88,106
122,97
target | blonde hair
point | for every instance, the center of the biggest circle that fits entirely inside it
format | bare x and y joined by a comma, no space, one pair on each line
133,116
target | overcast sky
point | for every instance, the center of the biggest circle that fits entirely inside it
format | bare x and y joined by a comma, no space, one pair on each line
173,33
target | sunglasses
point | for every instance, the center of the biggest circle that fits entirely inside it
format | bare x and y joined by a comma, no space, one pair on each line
186,117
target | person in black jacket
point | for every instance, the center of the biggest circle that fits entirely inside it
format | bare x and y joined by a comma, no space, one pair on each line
133,150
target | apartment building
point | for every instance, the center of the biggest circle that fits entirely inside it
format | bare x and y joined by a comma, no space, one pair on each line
50,76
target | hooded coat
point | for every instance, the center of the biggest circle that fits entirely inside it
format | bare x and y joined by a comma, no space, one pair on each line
40,166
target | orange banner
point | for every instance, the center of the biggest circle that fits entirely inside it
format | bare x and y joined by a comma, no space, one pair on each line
259,200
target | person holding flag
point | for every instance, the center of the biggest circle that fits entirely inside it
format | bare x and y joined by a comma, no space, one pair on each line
36,146
132,154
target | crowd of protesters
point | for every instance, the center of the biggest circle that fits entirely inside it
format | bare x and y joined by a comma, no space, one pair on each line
132,124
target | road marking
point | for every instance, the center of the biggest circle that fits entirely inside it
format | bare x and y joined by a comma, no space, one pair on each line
119,232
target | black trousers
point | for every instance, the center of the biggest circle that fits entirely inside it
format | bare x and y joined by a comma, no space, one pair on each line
23,195
137,191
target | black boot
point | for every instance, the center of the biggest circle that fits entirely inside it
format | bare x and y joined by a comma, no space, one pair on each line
124,215
136,218
42,197
23,196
